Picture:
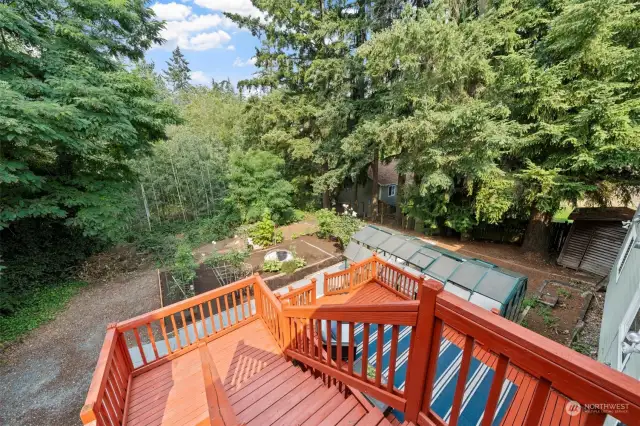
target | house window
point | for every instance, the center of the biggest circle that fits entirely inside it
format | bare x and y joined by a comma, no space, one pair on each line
626,251
392,190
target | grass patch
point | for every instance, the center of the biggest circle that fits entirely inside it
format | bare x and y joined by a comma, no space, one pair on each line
39,307
563,292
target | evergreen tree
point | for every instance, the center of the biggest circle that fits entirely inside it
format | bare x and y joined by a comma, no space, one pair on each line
178,73
72,115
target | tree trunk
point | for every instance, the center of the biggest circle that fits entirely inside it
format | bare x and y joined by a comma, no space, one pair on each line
355,197
399,188
536,237
375,187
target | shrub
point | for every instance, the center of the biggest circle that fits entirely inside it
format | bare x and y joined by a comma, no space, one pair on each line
271,266
233,257
264,233
289,267
183,272
340,227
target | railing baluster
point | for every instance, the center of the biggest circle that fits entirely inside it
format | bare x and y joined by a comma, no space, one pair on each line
220,321
392,357
305,344
462,380
312,341
538,401
242,304
176,333
185,328
365,353
352,349
213,325
339,345
203,320
318,331
194,323
235,308
328,331
226,307
152,340
379,354
164,336
139,342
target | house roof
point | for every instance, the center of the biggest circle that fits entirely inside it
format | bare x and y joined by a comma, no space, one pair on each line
602,213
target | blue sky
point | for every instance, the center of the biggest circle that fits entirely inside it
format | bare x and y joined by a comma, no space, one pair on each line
214,46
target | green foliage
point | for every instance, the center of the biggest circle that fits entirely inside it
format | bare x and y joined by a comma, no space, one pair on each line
178,73
233,257
289,267
183,272
264,233
563,292
583,348
39,306
338,226
271,266
256,184
531,302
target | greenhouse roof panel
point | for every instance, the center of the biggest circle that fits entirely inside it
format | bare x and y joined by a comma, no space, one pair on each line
457,290
363,253
406,250
421,260
377,239
364,234
443,267
497,285
468,274
352,250
391,244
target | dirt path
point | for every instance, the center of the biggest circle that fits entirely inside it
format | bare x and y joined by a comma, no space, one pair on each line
45,378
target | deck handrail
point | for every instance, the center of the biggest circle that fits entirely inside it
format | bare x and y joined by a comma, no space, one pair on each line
106,398
555,367
347,280
305,295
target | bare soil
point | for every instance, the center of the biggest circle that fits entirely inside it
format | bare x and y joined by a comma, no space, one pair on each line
557,322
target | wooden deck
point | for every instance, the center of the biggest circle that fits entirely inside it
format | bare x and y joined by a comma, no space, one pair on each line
262,387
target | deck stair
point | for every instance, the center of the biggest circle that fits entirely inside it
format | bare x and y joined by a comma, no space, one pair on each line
239,355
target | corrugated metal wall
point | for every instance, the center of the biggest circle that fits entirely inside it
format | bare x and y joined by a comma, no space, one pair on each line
592,246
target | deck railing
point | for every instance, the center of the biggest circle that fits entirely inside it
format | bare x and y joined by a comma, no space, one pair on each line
553,368
106,400
310,326
302,296
351,278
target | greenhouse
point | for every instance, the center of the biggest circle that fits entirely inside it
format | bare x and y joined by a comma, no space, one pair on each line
480,282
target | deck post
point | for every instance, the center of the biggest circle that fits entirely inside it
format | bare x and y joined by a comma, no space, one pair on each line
351,277
374,266
257,294
420,347
326,284
313,291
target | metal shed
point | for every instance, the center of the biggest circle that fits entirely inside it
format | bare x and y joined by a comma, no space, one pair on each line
595,238
482,283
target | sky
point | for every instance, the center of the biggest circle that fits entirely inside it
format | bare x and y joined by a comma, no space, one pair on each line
212,44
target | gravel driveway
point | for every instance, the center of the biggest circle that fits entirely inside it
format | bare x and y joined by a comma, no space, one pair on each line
45,378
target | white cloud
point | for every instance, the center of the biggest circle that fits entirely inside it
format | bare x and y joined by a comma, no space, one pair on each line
171,11
239,63
190,33
206,41
231,47
241,7
200,77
